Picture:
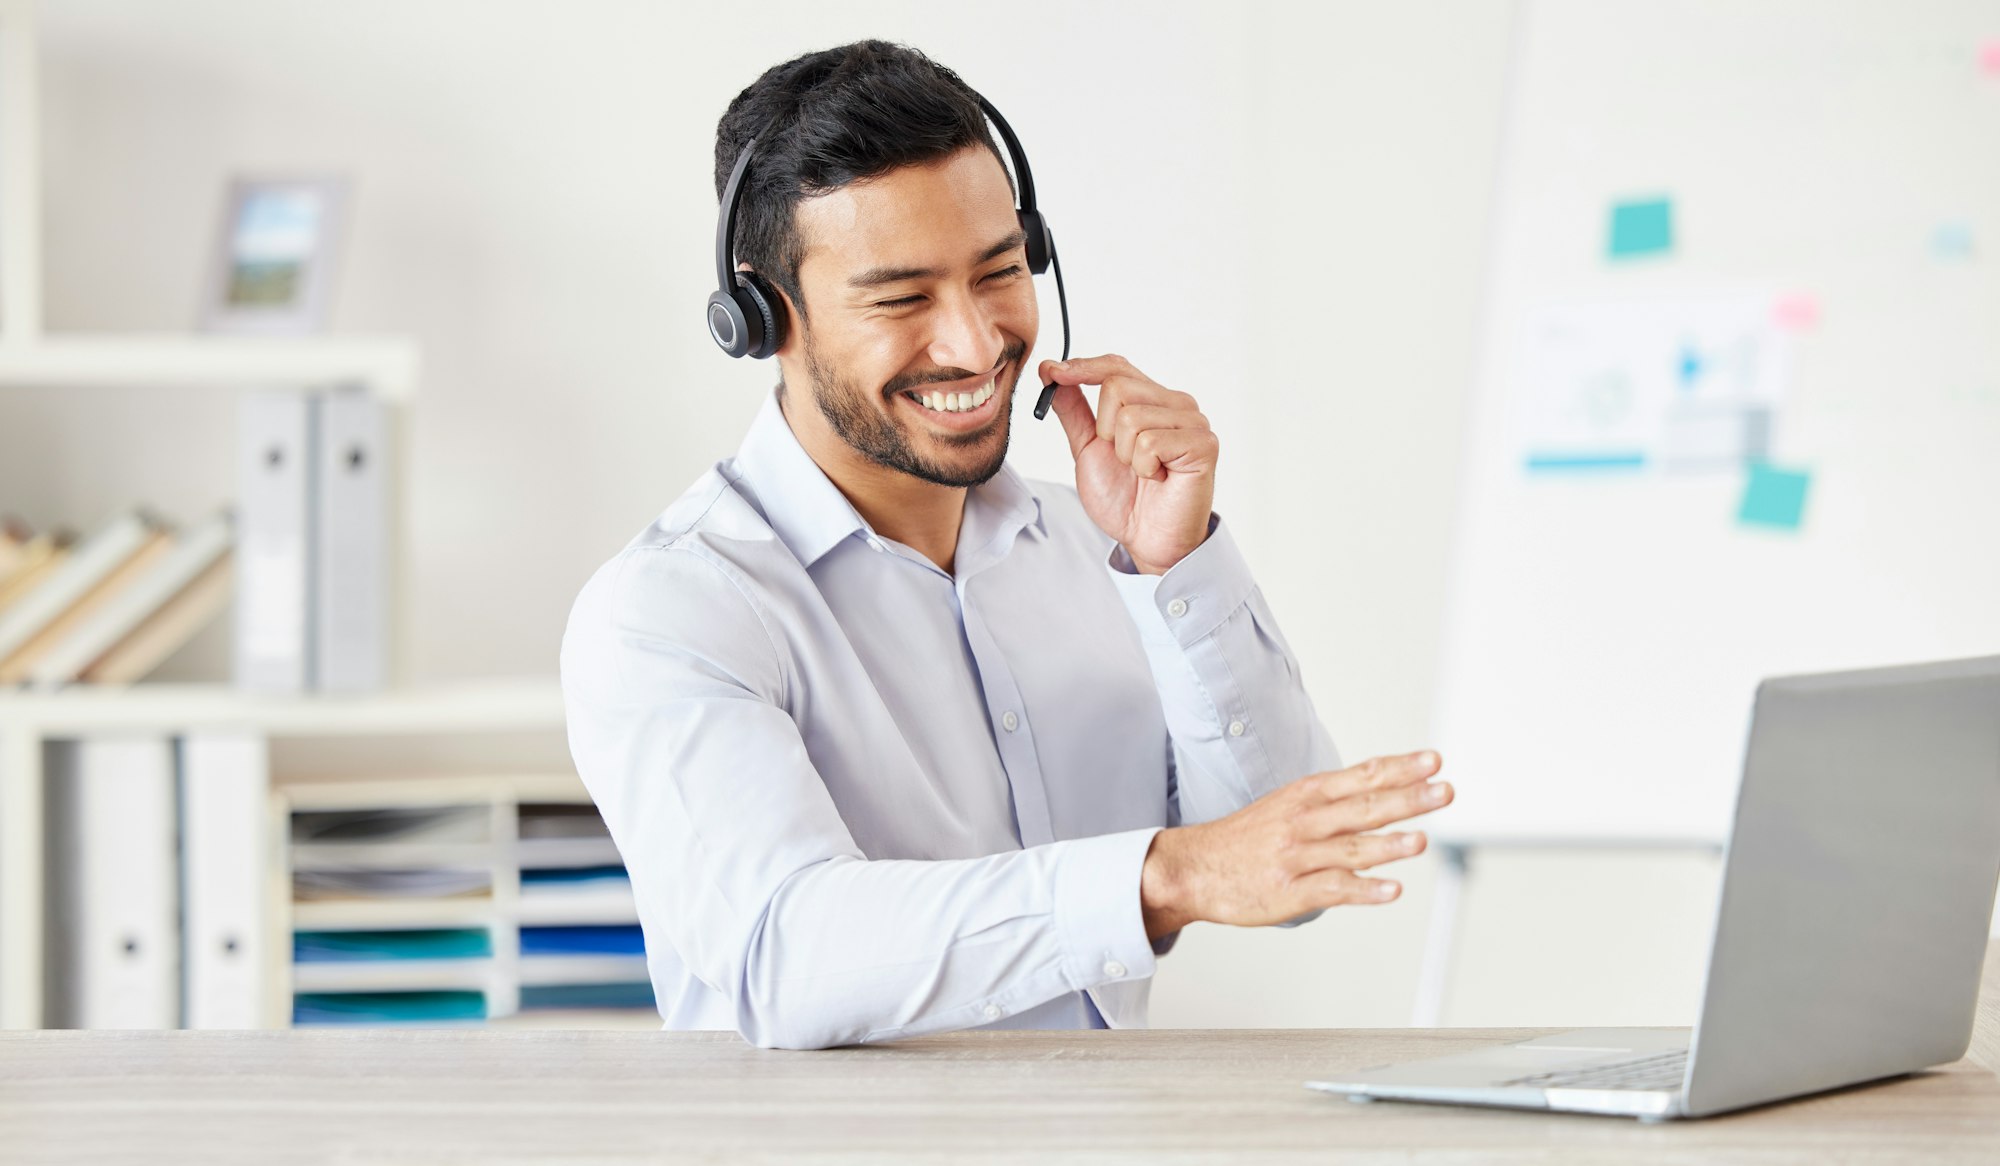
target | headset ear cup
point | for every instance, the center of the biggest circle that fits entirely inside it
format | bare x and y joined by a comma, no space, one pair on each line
726,323
1041,244
762,304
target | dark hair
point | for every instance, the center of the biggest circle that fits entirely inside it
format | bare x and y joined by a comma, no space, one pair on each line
828,119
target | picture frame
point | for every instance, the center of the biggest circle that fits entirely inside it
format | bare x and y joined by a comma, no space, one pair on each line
275,254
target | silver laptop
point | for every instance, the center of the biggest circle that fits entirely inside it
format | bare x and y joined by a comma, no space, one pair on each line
1857,893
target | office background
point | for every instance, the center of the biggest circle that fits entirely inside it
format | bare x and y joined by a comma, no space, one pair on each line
1283,209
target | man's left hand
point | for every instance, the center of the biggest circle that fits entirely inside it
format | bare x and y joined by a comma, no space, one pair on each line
1145,458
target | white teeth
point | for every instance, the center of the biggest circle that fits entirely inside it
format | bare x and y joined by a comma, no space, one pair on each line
958,402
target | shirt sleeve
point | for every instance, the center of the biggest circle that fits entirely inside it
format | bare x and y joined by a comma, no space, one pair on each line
1236,710
675,692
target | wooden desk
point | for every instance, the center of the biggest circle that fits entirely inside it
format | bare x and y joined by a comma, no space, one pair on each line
1165,1096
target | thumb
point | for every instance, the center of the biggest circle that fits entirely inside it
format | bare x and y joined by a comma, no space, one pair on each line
1078,422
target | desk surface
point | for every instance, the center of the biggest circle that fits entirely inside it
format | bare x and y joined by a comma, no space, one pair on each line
1210,1096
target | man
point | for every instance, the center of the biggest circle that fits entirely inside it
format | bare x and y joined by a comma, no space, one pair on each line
892,740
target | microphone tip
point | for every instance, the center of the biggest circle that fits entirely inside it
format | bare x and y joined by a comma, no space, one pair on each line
1042,404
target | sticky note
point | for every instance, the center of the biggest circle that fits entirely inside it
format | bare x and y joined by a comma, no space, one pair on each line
1774,497
1989,58
1952,241
1641,228
1796,312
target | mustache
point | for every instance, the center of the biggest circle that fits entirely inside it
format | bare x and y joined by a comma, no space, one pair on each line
1013,352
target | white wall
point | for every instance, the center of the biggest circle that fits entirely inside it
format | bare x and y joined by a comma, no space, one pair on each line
1278,207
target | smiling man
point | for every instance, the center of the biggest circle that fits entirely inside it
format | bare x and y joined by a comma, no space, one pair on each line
893,740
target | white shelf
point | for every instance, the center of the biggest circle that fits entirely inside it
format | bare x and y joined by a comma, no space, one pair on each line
469,706
387,365
394,975
391,915
578,908
546,970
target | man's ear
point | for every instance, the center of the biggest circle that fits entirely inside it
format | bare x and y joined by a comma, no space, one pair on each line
794,322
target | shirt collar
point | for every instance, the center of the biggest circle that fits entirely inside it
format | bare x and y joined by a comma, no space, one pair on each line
812,516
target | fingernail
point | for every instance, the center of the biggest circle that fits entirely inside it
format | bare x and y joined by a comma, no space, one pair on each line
1410,843
1426,759
1385,890
1062,364
1436,794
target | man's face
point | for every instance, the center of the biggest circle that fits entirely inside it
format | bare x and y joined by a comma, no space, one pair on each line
918,287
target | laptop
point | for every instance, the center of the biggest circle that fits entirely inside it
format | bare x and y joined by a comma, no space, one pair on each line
1857,893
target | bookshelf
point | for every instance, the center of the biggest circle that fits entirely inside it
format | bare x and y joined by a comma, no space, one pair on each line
33,358
31,720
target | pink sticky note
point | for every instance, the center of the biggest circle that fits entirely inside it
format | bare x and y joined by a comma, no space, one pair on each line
1989,58
1796,312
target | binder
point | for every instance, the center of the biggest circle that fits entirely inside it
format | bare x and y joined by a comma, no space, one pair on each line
226,869
276,446
124,612
351,557
114,950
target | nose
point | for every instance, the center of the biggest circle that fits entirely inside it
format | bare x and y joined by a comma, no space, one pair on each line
966,335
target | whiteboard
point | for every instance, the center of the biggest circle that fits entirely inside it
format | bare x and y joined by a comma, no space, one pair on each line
1770,445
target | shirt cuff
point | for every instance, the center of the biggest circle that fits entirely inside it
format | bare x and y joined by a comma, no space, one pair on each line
1102,929
1196,594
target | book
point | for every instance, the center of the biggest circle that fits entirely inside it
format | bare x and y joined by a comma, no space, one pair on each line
169,628
40,558
110,562
122,613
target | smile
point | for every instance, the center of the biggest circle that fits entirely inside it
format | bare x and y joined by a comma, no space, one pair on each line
954,402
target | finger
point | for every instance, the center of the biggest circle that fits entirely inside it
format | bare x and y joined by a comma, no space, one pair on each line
1377,773
1074,413
1158,453
1134,418
1122,392
1336,888
1089,370
1355,851
1374,810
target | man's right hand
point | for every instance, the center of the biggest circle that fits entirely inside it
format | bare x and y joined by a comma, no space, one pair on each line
1293,850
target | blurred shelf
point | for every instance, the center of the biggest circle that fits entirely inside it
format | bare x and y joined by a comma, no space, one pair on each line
394,975
387,365
578,908
538,970
566,853
384,914
526,703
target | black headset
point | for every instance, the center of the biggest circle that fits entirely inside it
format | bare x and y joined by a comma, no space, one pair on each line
746,316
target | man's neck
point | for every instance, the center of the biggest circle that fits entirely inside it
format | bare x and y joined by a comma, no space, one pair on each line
923,516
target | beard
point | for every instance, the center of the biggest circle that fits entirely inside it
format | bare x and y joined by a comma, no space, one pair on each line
872,431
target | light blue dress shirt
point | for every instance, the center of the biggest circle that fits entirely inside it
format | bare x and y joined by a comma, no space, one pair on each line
861,798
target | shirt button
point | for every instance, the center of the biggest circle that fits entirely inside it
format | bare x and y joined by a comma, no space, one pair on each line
1114,969
1236,728
1009,721
992,1012
1177,608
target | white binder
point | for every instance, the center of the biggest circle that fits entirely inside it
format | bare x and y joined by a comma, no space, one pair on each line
351,556
225,867
276,445
115,931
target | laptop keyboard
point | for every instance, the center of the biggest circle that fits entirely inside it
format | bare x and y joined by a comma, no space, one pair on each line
1654,1071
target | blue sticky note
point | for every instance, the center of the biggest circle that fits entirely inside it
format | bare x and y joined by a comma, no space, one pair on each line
1952,241
1774,497
1641,228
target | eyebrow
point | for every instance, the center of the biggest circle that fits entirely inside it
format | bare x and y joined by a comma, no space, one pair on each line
877,276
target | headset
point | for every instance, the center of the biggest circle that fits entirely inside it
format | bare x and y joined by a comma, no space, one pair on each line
746,316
